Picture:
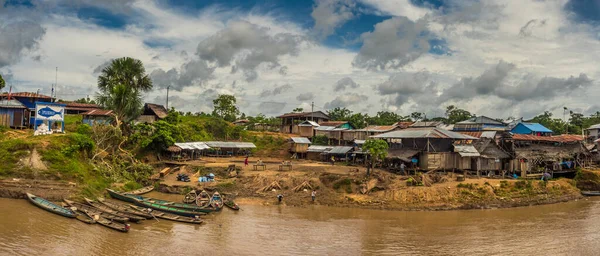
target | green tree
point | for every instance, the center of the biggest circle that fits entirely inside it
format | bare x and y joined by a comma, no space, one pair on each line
385,118
358,120
121,85
339,114
320,140
298,110
456,115
377,149
225,108
157,136
546,119
2,83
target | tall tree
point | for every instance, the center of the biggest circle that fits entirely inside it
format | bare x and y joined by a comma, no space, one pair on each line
377,149
417,116
298,110
86,100
225,108
339,114
2,83
121,85
456,115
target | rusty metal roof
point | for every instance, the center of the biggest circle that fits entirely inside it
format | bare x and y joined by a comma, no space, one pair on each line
98,112
564,138
11,104
483,134
26,95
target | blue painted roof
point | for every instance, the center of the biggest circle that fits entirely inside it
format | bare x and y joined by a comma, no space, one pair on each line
535,127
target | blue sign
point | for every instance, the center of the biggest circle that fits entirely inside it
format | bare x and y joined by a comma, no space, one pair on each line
48,112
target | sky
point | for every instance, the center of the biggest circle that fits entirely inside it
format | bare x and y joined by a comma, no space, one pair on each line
509,58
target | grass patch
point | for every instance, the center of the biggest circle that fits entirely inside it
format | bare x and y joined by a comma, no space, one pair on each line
345,184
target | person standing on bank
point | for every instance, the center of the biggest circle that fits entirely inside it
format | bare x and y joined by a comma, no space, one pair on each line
313,195
279,198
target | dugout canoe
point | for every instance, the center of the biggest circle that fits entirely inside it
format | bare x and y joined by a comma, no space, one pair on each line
140,191
124,208
168,216
107,209
50,206
90,210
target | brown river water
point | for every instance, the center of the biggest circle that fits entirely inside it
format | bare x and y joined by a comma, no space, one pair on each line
561,229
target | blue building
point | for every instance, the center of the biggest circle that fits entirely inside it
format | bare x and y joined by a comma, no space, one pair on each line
12,113
531,129
28,99
98,116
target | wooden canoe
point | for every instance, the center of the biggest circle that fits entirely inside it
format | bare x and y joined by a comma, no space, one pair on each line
108,223
141,191
168,216
51,207
135,200
107,209
231,205
124,208
168,209
90,210
216,201
83,217
590,193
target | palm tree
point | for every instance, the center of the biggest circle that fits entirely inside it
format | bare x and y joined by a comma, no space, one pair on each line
2,83
121,85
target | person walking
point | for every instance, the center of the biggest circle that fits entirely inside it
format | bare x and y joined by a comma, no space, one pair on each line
402,168
313,194
246,161
332,160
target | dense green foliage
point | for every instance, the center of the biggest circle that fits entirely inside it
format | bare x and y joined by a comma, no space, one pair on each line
455,115
360,120
377,149
576,123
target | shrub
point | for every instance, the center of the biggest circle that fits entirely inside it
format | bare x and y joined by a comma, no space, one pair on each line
503,184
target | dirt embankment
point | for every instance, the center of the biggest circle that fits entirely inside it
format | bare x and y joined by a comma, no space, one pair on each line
51,190
349,186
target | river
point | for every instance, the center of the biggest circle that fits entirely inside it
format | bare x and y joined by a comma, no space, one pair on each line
561,229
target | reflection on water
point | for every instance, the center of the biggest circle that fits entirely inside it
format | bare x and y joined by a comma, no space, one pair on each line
569,228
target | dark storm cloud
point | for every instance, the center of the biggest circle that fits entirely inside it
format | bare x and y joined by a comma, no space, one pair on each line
392,44
346,100
305,96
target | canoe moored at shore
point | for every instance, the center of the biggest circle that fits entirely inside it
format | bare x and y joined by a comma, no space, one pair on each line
169,216
216,201
51,207
168,209
83,217
135,198
107,209
124,208
90,210
231,205
590,193
140,191
108,223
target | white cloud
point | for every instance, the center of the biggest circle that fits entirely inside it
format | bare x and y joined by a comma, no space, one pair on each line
331,14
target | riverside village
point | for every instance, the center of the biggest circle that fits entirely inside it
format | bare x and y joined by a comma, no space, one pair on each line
320,127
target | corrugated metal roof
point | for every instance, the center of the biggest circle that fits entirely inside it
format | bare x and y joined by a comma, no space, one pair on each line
426,132
427,124
593,127
482,120
340,150
318,148
25,95
535,127
483,134
325,128
466,150
98,112
560,138
192,145
11,104
300,140
378,128
309,123
359,142
333,123
229,144
304,114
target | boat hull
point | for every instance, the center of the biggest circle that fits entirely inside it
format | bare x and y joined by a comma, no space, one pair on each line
51,207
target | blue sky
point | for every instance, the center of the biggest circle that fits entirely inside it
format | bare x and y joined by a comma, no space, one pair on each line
501,58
